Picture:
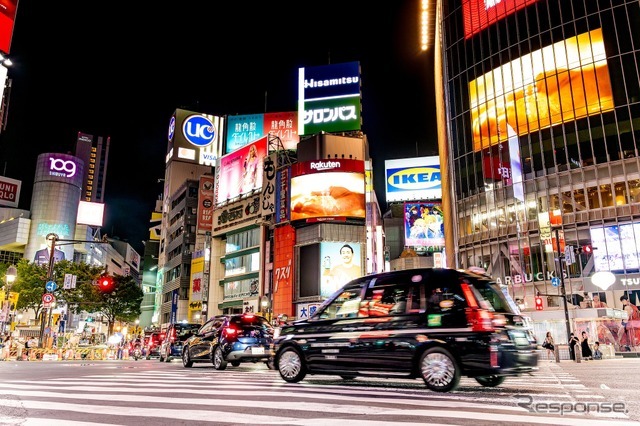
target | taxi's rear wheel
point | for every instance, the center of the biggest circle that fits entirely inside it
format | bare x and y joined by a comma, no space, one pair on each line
490,381
439,370
218,359
291,366
186,359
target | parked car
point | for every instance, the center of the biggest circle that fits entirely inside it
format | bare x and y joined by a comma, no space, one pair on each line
152,344
437,324
230,339
176,335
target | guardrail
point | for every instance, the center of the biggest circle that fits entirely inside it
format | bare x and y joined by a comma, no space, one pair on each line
53,354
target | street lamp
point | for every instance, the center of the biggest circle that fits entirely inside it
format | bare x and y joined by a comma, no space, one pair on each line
10,277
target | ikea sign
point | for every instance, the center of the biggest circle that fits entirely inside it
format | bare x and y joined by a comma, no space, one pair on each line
413,179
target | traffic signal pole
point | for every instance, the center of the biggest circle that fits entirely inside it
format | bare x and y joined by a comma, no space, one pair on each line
46,312
563,292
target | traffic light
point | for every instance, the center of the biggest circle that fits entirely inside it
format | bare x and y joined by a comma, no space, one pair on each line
105,284
538,303
587,249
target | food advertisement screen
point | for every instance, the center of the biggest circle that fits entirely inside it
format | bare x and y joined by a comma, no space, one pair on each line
327,190
559,83
479,14
241,171
424,225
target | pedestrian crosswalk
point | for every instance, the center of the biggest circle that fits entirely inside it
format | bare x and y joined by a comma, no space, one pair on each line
171,395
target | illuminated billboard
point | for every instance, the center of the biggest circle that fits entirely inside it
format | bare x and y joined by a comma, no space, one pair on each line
327,190
194,137
9,191
90,213
7,19
241,171
339,264
479,14
559,83
608,242
205,203
329,98
243,129
424,225
411,179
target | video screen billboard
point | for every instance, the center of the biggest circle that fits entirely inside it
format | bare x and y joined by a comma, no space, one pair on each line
241,171
8,10
561,82
424,225
479,14
340,263
243,129
90,213
608,242
329,98
411,179
327,190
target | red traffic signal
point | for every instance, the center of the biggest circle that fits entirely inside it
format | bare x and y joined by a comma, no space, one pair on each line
538,303
105,283
587,249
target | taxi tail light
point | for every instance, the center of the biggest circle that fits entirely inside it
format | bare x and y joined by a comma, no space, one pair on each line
493,356
479,319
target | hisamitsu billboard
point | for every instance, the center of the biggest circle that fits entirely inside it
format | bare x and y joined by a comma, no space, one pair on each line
413,179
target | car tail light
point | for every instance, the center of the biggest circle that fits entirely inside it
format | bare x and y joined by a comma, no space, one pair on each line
493,356
230,332
479,319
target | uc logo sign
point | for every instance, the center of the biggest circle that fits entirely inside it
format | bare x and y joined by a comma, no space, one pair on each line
172,128
61,167
198,130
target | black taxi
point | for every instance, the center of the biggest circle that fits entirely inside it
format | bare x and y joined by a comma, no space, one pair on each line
437,324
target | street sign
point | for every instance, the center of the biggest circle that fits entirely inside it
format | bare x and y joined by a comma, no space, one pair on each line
51,286
69,281
555,281
569,255
48,298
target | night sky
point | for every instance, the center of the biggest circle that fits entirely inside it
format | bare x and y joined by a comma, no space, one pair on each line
121,69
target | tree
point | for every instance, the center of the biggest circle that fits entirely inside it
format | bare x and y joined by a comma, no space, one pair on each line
31,280
122,304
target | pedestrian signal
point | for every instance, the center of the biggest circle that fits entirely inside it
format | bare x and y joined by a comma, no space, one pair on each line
538,303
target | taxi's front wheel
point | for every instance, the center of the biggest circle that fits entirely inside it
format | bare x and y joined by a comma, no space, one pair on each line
291,366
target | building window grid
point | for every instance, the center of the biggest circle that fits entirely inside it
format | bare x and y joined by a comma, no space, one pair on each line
615,194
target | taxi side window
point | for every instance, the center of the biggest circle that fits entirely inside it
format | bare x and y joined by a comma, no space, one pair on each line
344,305
446,307
391,298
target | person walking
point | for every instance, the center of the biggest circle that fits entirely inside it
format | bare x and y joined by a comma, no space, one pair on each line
549,345
573,341
586,349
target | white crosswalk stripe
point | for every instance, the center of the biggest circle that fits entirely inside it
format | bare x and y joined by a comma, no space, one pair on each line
259,397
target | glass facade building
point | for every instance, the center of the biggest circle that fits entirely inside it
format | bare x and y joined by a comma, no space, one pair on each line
542,117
